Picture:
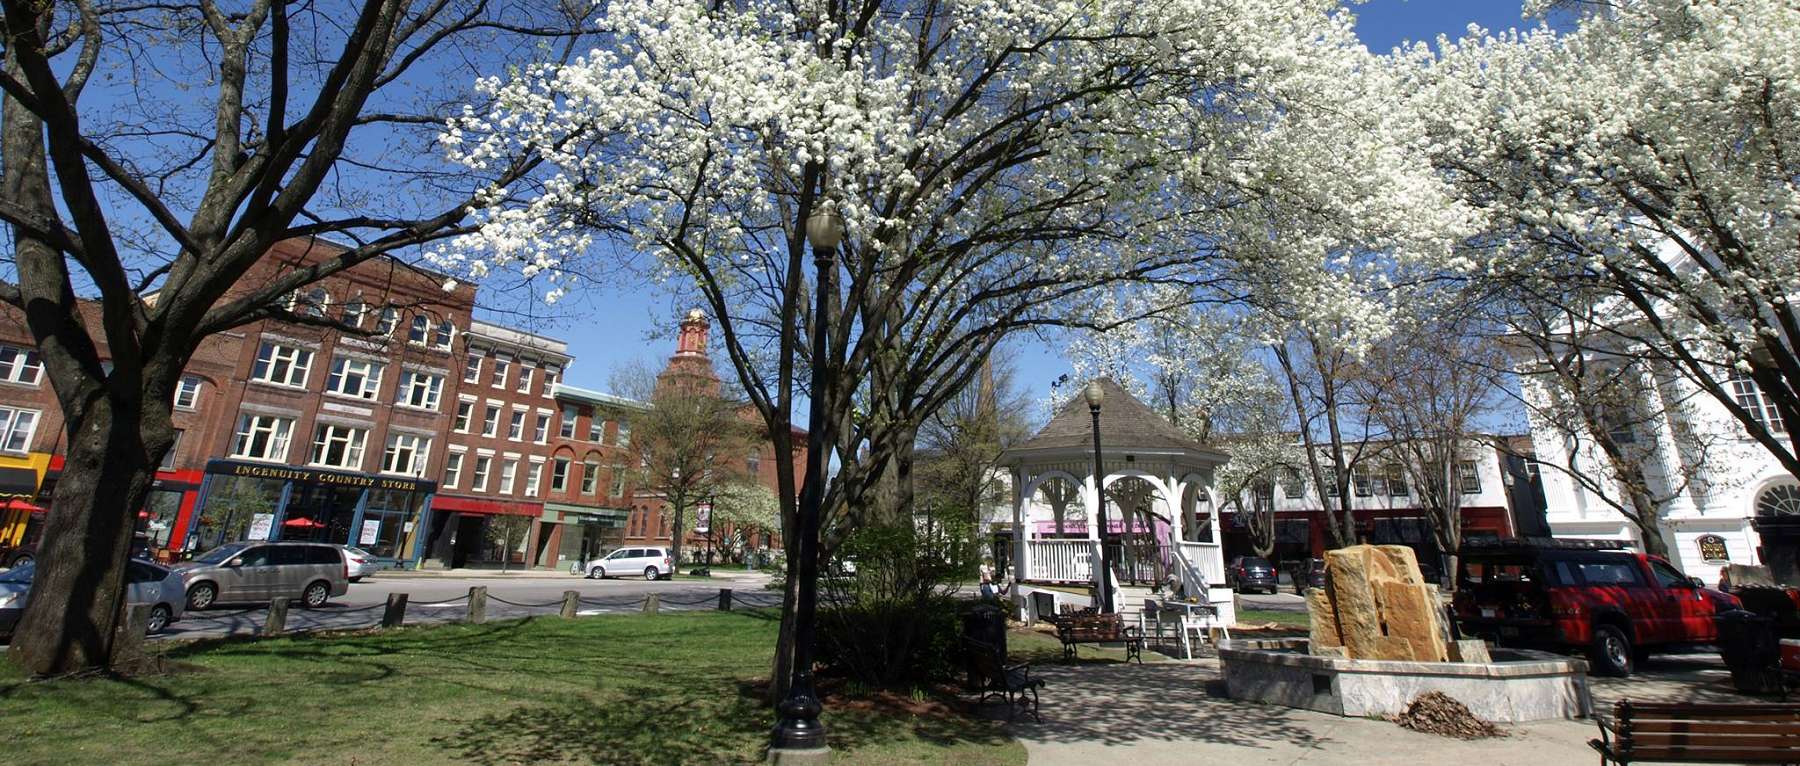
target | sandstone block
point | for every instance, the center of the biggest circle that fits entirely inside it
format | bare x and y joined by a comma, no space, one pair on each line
1390,648
1330,651
1353,599
1470,650
1409,611
1397,562
1324,630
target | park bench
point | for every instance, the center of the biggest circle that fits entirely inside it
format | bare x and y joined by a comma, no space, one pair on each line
1092,628
1699,733
992,678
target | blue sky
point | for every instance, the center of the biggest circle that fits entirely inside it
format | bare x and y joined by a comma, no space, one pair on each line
613,326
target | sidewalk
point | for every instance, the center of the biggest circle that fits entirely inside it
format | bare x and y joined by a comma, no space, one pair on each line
1176,713
718,575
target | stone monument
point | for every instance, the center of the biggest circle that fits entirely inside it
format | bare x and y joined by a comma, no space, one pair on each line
1376,606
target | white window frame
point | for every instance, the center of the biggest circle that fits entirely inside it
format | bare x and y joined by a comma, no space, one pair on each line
272,356
443,334
388,321
571,416
509,474
278,430
419,331
515,426
484,464
524,386
615,484
622,434
418,452
502,368
465,416
20,365
327,435
534,477
341,374
17,426
354,311
490,420
472,367
1468,472
1749,395
412,382
560,482
551,373
453,465
597,430
188,388
540,433
590,476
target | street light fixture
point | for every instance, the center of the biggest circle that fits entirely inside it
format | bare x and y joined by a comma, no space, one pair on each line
1095,395
799,735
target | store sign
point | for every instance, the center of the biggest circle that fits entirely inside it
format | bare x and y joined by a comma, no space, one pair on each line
315,476
703,518
371,532
1712,548
261,525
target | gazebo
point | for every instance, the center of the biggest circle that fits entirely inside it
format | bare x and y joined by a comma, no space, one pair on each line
1162,522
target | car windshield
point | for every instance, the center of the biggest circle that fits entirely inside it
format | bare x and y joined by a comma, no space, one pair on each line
1256,562
220,554
20,573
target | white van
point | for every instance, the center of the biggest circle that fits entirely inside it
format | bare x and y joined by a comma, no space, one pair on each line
652,563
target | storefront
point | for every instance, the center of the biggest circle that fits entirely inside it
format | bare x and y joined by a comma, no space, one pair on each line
467,531
21,515
575,533
384,515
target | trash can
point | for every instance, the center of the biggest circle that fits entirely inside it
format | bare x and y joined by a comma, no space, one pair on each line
1748,644
985,623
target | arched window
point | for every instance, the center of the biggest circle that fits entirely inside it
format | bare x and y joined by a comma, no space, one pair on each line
1779,500
390,316
354,309
421,326
445,330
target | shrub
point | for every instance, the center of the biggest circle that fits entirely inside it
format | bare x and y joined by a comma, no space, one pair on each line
894,623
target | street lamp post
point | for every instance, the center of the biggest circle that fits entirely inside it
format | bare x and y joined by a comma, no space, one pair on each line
799,736
1095,394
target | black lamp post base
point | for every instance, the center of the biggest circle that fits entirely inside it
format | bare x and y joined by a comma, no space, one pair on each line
798,732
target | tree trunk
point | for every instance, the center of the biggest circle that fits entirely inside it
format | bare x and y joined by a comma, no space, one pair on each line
675,534
1646,520
77,593
784,639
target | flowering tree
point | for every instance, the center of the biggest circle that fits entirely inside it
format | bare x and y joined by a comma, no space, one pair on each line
993,164
1650,154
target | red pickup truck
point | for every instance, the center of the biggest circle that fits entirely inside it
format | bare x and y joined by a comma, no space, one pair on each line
1583,595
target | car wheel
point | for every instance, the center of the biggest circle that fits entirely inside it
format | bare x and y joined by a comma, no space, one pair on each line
1610,654
597,573
159,619
315,595
202,596
23,559
650,573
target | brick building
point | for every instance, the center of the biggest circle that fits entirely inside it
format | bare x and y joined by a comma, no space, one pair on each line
405,429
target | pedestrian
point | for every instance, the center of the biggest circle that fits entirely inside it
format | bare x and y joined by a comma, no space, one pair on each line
987,584
1725,578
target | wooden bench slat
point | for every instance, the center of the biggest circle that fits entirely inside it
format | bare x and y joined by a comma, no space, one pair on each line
1683,709
1711,727
1670,739
1712,755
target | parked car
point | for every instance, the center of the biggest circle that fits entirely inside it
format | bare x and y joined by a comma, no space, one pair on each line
1309,573
652,563
146,583
1578,595
1250,573
260,572
361,563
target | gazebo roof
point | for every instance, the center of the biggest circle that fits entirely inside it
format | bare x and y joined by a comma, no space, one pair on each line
1125,424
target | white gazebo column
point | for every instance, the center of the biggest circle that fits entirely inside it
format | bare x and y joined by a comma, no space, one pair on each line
1091,496
1171,508
1021,551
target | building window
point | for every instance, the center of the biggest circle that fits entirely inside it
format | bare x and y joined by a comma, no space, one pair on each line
550,376
262,437
465,411
390,317
337,446
472,368
421,327
568,422
490,421
559,474
1262,494
1469,477
354,377
312,303
1366,485
753,464
1292,487
187,392
590,475
515,430
16,427
541,433
502,365
281,365
352,315
421,390
453,469
616,488
596,430
1396,481
478,482
445,332
20,365
622,435
524,379
1750,396
406,454
509,471
532,476
168,461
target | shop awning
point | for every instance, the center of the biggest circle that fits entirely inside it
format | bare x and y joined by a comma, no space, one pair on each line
451,503
18,504
18,483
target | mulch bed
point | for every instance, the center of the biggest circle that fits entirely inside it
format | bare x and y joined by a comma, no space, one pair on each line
1439,713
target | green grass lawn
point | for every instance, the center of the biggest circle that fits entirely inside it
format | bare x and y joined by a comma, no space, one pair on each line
658,689
1285,619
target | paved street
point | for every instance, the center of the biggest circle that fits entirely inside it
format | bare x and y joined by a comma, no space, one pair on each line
437,598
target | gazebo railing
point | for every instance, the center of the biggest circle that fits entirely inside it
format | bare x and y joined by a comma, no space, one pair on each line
1059,560
1206,558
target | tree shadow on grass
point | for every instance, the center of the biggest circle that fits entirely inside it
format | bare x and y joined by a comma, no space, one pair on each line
641,724
1122,704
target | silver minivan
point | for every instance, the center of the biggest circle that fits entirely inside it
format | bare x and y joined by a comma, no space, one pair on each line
261,572
652,563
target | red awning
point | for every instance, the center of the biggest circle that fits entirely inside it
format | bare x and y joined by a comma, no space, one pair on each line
16,504
302,522
482,505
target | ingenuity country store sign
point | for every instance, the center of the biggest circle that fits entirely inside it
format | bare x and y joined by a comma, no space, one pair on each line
316,476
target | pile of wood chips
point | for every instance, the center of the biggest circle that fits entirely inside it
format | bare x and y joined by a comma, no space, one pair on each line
1439,713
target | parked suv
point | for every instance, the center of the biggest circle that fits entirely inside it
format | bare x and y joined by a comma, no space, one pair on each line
1249,573
652,563
1587,595
260,572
